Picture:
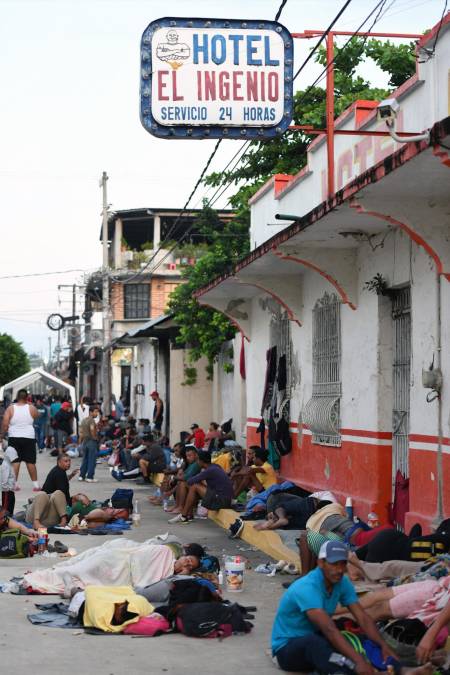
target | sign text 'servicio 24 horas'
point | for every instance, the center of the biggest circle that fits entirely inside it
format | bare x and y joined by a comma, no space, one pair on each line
216,78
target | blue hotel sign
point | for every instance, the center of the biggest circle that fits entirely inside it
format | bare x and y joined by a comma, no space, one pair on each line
216,78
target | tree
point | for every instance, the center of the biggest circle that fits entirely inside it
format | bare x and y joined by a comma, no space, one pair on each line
13,359
202,329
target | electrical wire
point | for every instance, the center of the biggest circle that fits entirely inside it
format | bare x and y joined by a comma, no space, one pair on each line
280,9
43,274
430,52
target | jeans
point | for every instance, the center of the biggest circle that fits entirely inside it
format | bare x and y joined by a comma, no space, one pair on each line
311,652
40,435
87,469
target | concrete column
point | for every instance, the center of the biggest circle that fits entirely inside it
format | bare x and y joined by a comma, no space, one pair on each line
156,231
117,244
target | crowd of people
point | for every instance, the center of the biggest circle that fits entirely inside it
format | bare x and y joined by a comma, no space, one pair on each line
207,470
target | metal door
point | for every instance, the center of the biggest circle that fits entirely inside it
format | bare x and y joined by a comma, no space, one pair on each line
401,315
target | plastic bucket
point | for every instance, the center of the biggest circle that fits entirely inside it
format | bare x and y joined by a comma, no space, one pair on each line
234,574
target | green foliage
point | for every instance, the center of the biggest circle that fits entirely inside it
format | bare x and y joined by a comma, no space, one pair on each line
13,359
190,376
288,153
147,246
201,328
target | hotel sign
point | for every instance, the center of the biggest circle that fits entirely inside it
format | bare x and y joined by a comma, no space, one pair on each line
216,78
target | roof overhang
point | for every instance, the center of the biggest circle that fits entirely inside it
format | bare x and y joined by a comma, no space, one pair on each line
161,327
409,189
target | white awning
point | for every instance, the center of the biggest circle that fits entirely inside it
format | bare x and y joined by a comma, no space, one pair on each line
35,375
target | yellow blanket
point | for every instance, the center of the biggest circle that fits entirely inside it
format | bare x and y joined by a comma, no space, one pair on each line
100,602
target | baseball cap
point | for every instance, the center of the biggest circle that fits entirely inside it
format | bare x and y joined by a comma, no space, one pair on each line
333,551
66,405
154,393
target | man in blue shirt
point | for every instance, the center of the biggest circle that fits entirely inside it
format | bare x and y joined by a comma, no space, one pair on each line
304,636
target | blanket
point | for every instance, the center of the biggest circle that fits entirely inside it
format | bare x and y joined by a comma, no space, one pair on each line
120,562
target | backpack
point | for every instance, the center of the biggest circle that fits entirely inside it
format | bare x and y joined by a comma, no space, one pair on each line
211,619
13,544
122,498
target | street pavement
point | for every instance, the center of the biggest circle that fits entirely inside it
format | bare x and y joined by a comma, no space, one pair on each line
26,648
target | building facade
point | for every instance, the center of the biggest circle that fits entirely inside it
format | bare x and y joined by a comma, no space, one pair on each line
346,311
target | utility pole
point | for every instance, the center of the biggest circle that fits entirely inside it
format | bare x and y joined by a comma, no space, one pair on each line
49,353
106,368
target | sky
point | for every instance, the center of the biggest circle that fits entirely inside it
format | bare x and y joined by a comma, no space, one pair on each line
69,73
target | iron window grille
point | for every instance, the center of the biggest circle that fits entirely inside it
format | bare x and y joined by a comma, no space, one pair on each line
322,412
137,301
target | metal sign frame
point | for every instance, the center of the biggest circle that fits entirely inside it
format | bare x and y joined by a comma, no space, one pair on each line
237,132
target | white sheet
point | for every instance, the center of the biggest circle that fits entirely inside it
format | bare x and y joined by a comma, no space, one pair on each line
120,562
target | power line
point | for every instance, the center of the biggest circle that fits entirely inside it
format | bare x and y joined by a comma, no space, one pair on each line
44,274
280,9
321,39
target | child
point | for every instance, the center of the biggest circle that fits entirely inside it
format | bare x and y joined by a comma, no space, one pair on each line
8,480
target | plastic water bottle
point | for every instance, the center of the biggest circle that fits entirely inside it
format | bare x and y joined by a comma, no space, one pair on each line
136,516
349,507
220,578
165,504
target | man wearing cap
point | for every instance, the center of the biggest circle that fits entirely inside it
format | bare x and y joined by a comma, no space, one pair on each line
158,411
304,636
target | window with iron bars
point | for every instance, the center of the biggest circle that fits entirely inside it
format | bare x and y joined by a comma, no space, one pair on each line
136,301
322,412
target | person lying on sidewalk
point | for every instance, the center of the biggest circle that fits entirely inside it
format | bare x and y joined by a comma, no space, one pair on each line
304,636
426,646
181,487
8,523
260,476
291,513
417,600
49,506
211,485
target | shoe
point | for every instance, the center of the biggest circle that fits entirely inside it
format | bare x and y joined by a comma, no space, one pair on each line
17,488
80,478
38,489
236,528
91,480
117,475
179,518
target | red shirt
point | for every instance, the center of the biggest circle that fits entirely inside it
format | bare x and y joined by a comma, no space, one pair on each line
199,438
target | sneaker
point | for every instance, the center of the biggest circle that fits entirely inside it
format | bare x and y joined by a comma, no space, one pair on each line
117,475
236,528
38,489
179,518
91,480
80,478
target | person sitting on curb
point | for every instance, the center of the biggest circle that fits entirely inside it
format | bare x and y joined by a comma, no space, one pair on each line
49,507
183,475
260,476
151,460
304,636
211,485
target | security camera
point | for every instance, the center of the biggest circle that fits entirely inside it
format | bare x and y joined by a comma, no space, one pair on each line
387,110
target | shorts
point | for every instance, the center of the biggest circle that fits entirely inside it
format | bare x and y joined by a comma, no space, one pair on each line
25,448
409,598
214,502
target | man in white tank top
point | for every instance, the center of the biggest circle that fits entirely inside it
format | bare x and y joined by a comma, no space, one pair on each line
18,423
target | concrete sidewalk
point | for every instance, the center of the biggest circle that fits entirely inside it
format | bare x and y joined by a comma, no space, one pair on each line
54,651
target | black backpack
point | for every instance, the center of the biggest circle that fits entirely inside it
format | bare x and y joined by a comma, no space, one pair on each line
211,619
122,498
